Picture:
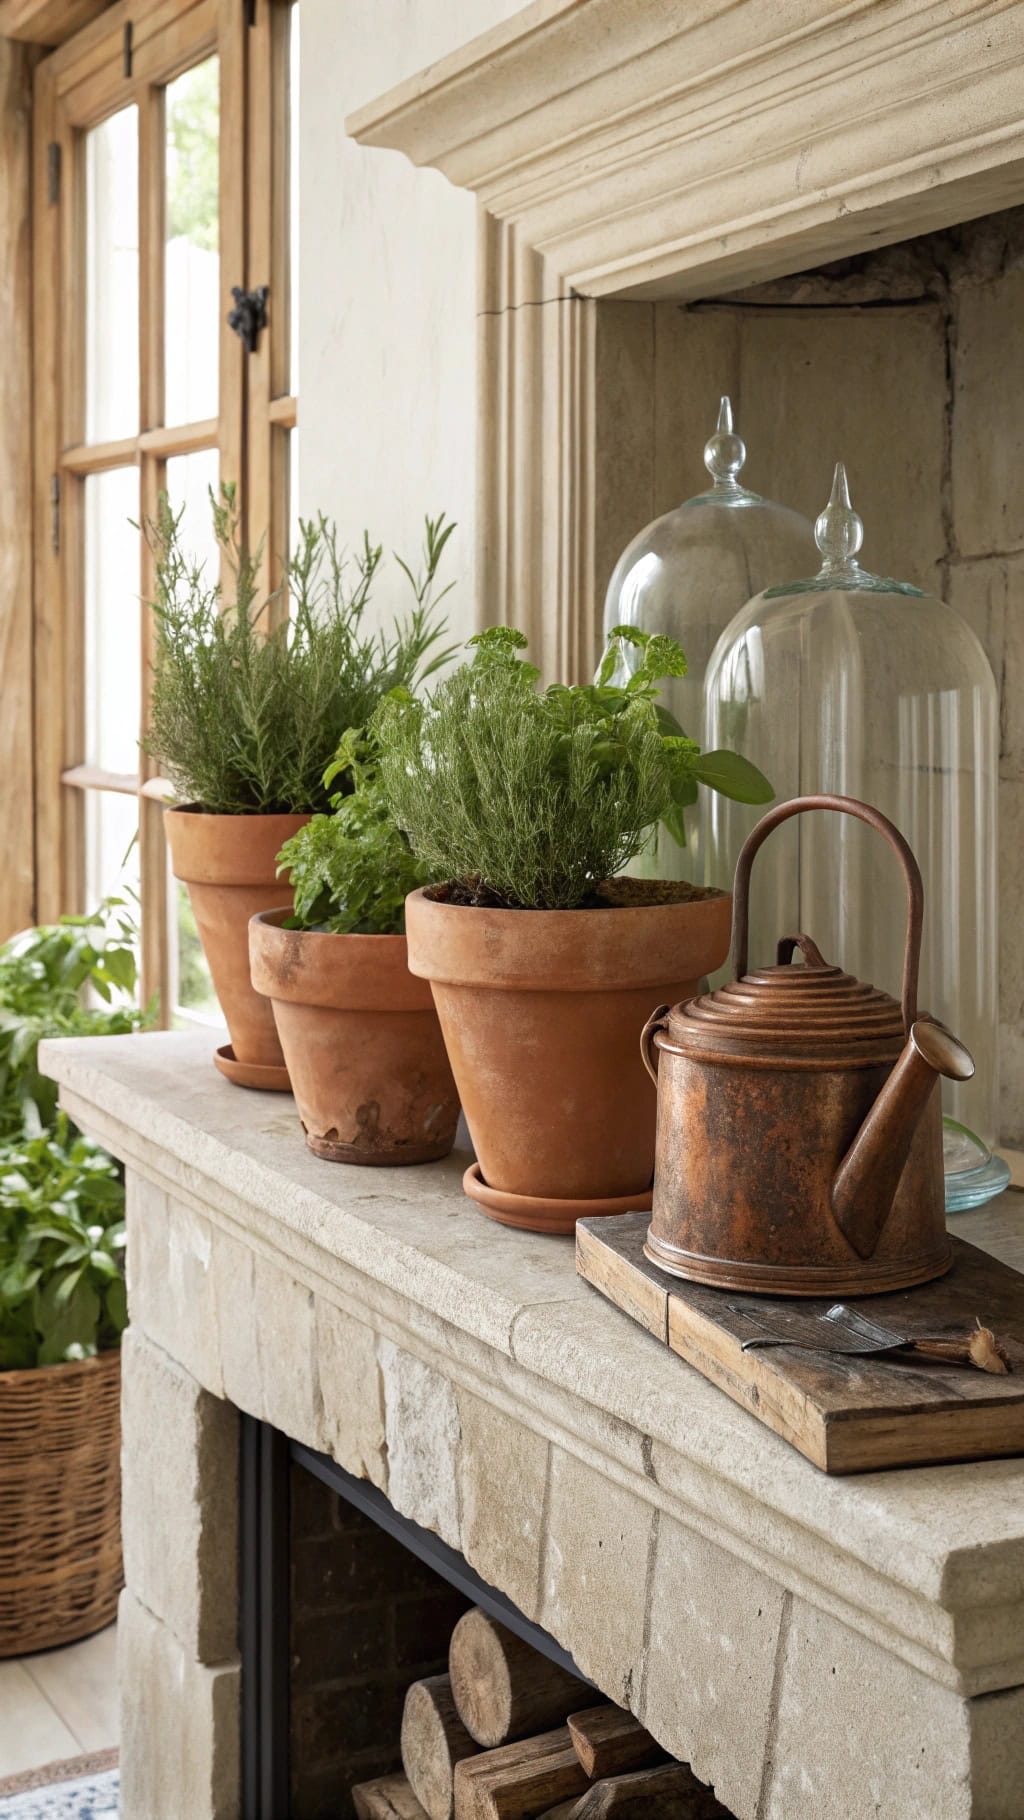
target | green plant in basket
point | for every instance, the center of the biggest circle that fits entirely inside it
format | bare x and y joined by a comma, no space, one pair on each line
62,1290
532,798
352,870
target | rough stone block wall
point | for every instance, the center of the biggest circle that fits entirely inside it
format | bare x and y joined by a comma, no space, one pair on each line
907,363
367,1619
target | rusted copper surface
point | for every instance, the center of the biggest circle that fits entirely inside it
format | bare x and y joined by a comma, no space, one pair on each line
799,1145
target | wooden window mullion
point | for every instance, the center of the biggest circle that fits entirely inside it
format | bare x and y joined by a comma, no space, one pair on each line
155,956
48,608
232,214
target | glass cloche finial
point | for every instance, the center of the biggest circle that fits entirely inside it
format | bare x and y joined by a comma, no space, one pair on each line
686,575
838,530
725,453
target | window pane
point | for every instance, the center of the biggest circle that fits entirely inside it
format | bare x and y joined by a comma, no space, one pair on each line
293,492
189,480
113,659
112,278
193,987
111,847
192,275
293,195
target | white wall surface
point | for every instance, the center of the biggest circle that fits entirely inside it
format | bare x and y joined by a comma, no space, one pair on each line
387,294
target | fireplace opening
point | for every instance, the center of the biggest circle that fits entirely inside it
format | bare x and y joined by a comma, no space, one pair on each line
344,1604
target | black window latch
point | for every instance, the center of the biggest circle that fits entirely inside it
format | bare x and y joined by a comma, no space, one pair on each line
249,315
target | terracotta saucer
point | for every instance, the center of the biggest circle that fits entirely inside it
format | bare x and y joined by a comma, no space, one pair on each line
251,1074
534,1213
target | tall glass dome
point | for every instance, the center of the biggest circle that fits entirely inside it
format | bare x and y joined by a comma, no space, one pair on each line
689,572
850,683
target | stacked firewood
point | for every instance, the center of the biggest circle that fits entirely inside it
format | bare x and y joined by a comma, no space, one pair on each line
508,1735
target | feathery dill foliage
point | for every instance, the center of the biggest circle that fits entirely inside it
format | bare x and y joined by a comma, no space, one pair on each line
352,871
244,717
536,797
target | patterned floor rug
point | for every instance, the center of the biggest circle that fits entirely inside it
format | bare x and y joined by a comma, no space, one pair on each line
83,1789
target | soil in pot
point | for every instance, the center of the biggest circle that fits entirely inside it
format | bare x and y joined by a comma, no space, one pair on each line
361,1040
542,1012
229,863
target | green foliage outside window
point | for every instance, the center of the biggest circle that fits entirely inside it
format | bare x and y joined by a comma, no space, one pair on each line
193,138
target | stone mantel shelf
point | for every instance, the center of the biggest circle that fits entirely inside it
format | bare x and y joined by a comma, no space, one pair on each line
647,148
930,1561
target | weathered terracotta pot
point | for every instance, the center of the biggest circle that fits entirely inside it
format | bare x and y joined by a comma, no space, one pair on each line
542,1012
229,863
361,1041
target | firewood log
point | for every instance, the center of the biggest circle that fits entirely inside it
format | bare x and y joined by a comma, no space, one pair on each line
503,1689
609,1742
434,1740
520,1780
671,1792
386,1798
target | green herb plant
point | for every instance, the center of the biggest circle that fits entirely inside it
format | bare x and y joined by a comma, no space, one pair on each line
529,798
62,1293
352,871
246,711
47,976
62,1290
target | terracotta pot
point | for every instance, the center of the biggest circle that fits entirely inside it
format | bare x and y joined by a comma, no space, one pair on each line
229,863
542,1012
361,1041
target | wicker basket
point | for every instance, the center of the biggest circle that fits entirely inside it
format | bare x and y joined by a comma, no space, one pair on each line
60,1502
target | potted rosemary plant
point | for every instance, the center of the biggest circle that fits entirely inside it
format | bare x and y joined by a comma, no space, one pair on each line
360,1035
245,714
544,964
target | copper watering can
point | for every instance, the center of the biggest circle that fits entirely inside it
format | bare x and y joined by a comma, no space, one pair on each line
799,1147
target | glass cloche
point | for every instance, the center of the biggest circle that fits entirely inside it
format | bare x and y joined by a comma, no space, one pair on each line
853,684
689,572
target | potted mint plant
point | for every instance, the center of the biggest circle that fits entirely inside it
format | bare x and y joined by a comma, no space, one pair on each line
360,1035
245,714
544,963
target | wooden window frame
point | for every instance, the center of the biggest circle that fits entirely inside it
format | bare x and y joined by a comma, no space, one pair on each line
78,86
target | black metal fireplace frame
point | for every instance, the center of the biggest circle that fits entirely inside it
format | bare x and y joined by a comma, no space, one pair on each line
266,1456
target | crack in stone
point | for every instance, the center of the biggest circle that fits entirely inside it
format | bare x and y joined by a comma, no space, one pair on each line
545,1510
645,1642
775,1701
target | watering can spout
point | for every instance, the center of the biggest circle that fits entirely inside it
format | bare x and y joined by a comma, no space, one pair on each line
867,1179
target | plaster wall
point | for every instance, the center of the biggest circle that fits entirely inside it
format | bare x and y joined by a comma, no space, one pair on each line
387,296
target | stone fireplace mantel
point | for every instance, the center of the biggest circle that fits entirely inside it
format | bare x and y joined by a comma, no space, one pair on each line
812,1646
658,150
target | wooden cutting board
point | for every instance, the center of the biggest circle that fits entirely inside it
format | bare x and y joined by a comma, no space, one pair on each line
846,1414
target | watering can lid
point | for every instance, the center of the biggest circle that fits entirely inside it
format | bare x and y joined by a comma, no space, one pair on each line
814,1011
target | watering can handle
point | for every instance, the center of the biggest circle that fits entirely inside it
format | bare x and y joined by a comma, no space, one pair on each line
846,805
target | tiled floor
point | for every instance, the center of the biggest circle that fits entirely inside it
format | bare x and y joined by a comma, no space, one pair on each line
62,1703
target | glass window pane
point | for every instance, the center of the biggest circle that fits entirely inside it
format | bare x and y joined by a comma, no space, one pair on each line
113,661
193,992
192,307
189,480
293,195
293,491
112,278
111,847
